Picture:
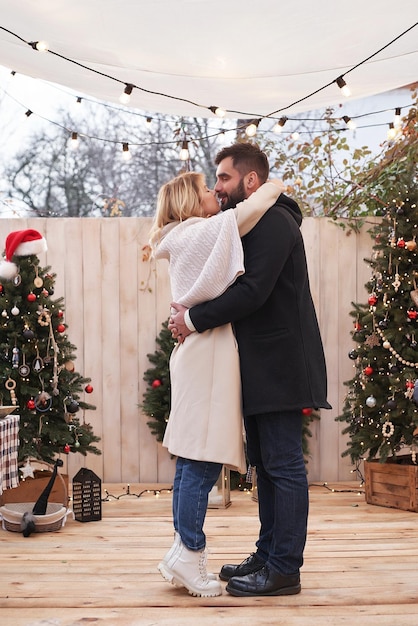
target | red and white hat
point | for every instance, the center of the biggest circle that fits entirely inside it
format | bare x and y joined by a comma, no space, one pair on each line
20,243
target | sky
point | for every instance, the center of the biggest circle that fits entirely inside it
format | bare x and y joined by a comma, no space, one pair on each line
19,94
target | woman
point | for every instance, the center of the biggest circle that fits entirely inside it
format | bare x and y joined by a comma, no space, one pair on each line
204,430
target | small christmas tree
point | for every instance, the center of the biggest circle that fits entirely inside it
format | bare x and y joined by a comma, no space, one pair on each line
381,406
36,365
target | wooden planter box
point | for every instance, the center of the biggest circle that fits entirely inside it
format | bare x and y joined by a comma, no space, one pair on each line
393,484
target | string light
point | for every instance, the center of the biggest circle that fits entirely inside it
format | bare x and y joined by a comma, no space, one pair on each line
40,46
28,113
126,153
126,95
391,132
278,127
350,124
184,152
251,129
79,99
74,141
148,121
218,111
343,86
397,118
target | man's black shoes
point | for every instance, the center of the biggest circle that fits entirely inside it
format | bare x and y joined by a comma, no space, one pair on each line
264,582
248,566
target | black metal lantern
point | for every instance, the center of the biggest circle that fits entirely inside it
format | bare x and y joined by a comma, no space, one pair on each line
87,496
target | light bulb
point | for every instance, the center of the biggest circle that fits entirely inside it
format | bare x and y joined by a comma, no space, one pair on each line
351,125
391,132
295,136
184,152
218,111
126,154
28,113
126,95
40,46
148,122
397,118
278,127
343,86
74,141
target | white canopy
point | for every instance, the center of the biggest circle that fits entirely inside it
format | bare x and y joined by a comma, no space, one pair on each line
250,58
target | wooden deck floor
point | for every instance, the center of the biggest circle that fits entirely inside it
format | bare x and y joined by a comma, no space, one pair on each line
361,567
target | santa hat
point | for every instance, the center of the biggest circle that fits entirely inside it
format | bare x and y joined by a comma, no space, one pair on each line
20,243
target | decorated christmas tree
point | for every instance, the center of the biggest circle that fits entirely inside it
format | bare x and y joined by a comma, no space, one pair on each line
37,371
381,406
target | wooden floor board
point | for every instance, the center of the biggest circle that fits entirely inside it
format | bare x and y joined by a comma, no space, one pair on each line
360,567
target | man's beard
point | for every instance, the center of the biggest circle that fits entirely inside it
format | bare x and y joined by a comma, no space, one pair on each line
236,196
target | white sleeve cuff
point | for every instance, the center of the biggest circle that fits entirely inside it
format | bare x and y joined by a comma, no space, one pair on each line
188,321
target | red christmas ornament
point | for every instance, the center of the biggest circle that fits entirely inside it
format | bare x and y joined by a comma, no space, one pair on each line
88,389
31,297
372,300
1,288
30,404
409,384
412,314
306,411
357,326
368,370
401,243
67,448
156,383
61,328
60,314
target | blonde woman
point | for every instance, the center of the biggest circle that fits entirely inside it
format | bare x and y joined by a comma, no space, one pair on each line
205,428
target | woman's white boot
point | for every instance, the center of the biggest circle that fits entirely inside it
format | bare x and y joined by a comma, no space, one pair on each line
176,544
188,568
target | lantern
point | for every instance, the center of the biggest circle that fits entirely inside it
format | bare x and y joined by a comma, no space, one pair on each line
87,498
220,494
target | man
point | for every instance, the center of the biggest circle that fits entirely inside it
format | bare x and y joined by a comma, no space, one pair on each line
282,371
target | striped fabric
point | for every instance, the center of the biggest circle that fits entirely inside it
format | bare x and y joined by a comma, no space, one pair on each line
9,446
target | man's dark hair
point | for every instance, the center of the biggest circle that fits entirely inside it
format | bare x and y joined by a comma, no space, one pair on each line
246,157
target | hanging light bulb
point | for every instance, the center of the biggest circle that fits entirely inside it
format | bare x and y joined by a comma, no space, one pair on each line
295,136
148,122
126,154
184,152
218,111
79,99
126,95
343,86
391,132
278,127
251,129
397,118
28,113
74,141
40,46
351,125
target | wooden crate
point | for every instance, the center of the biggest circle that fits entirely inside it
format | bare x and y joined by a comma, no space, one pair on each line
393,484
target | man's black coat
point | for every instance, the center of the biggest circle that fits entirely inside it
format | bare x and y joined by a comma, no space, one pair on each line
281,353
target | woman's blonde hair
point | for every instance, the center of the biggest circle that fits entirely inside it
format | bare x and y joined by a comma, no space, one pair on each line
178,200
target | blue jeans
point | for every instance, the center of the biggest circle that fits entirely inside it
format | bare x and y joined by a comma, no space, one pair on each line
192,483
274,447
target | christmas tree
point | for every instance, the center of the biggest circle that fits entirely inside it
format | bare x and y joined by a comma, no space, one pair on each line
381,406
37,370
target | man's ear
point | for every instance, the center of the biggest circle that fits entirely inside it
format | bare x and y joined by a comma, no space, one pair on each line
251,181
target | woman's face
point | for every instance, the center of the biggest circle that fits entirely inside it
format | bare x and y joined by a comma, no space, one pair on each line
209,203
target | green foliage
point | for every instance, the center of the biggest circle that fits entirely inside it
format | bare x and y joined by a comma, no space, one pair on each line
381,406
47,394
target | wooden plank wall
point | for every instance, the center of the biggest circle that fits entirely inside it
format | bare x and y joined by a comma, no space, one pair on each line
115,303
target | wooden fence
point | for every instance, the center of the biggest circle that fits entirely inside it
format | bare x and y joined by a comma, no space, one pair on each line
116,301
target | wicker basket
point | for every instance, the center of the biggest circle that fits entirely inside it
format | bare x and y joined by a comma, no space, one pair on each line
11,513
54,518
